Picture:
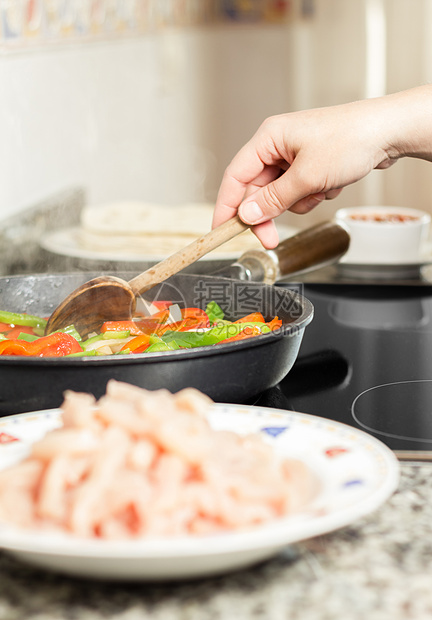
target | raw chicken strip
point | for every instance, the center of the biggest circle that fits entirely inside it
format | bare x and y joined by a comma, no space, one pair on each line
139,463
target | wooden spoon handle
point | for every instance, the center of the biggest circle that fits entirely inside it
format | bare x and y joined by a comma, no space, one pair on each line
188,255
311,248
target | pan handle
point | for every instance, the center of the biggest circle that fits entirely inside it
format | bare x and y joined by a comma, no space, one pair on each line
309,249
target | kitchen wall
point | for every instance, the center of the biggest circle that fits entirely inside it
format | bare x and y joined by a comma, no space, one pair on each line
112,116
362,49
152,117
409,52
157,116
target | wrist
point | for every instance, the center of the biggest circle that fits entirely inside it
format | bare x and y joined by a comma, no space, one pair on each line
409,123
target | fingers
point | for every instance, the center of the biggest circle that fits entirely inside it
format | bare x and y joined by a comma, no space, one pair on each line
333,193
307,204
225,210
269,174
267,234
275,172
295,188
246,168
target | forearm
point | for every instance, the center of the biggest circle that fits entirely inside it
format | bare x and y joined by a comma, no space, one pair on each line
410,117
296,160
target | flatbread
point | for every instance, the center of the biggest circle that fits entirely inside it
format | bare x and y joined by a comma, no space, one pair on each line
152,229
133,218
159,245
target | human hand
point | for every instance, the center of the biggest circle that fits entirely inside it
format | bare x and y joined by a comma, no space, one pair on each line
297,160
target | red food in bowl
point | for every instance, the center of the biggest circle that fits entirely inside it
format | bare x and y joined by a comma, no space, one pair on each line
390,218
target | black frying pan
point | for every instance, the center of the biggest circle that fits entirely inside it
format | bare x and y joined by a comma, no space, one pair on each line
232,372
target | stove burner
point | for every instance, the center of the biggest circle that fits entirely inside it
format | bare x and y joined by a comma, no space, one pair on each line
366,361
398,410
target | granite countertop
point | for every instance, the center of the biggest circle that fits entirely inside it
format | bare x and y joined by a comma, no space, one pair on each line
376,568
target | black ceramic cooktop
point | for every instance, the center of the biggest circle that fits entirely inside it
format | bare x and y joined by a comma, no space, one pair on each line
366,361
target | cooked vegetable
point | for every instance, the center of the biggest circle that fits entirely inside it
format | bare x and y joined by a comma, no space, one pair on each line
247,332
57,344
169,328
214,312
130,327
12,318
137,345
254,317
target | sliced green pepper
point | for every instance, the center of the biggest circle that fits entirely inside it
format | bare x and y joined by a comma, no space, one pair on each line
70,329
27,320
221,322
214,312
158,344
92,340
162,346
118,335
212,336
82,354
27,337
104,336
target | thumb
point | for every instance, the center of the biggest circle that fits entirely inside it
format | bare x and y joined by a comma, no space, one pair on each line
281,195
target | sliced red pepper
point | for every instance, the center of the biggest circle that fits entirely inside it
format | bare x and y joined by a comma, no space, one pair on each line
179,326
275,323
57,344
247,332
160,316
192,318
149,325
14,332
162,305
14,347
196,313
253,317
138,344
122,326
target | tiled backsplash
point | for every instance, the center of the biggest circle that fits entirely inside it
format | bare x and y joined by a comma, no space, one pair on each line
27,24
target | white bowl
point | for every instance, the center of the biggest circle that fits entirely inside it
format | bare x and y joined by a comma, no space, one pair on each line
384,235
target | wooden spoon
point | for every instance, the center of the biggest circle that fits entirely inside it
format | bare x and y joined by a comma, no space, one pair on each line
110,298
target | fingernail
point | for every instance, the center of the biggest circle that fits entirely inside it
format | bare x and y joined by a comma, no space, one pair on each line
251,212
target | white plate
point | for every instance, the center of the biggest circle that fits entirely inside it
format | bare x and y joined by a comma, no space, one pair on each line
66,242
425,256
386,271
357,474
